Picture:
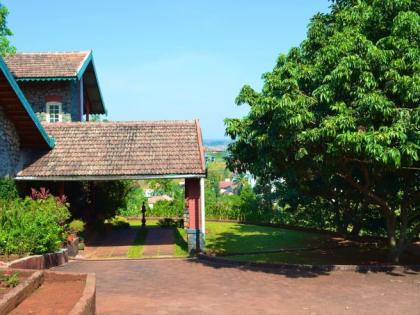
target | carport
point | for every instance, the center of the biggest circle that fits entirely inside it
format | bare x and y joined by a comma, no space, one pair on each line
138,150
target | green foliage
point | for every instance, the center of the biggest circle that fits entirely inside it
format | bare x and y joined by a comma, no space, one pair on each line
134,202
31,226
5,33
342,109
8,190
167,209
77,226
118,222
9,279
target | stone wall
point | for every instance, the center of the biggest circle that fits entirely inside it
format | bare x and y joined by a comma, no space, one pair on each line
68,92
9,146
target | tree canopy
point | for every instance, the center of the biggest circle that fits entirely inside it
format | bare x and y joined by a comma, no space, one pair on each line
5,33
343,109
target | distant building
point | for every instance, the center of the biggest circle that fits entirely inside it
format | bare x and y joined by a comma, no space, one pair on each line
226,187
153,199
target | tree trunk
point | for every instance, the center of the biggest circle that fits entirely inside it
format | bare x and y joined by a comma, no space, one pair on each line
391,224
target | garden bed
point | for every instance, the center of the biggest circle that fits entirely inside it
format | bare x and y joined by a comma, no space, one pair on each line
46,292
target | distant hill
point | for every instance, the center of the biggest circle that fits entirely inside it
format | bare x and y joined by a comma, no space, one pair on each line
216,142
217,145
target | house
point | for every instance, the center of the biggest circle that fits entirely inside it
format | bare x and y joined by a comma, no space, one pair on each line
60,86
226,187
153,199
46,136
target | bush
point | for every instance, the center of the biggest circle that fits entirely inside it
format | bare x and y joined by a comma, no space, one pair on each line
167,223
168,209
76,226
32,226
8,190
118,222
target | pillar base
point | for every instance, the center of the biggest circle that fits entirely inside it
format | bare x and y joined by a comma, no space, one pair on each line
195,241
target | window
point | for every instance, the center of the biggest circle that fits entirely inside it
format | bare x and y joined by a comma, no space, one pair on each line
54,112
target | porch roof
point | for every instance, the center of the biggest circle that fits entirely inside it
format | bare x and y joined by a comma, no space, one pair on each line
118,150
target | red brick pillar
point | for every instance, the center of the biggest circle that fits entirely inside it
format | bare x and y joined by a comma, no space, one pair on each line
193,204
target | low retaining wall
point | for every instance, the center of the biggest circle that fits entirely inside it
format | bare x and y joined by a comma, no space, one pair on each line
85,306
301,267
15,296
39,262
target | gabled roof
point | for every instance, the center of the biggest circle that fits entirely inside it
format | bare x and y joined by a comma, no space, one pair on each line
118,150
46,65
57,66
18,110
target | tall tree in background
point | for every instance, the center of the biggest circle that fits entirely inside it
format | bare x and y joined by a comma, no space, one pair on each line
5,33
344,107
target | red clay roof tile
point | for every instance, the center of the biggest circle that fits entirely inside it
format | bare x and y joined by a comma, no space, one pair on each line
141,148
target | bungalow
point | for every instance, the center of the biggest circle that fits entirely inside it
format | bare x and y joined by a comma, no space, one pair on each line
45,133
153,199
226,187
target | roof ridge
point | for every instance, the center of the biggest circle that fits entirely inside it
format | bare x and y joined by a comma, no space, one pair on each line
128,122
51,52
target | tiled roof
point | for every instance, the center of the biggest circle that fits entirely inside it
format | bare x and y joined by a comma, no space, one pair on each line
154,199
143,148
224,185
46,64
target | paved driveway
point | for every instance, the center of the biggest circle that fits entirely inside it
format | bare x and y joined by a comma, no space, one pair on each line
193,287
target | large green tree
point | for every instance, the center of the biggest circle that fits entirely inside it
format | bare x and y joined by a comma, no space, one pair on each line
344,107
5,33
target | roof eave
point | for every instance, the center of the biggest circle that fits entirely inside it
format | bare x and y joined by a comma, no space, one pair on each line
81,71
109,177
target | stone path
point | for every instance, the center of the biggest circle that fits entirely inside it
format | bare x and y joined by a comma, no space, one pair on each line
174,286
114,245
159,243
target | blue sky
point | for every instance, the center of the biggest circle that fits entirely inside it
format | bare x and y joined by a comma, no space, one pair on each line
168,59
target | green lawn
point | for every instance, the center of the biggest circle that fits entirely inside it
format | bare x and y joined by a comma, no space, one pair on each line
181,246
222,238
234,238
136,250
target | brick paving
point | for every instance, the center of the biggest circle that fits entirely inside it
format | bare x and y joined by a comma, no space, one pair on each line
176,286
114,245
159,243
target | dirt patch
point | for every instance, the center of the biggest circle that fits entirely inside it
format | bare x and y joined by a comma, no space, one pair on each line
52,298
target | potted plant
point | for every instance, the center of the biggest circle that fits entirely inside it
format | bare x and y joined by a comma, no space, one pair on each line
75,228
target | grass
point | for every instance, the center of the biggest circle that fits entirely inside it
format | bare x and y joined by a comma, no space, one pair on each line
136,250
181,246
223,238
247,240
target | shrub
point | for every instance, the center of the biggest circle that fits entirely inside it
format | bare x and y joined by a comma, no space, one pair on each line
119,222
167,223
165,208
76,226
8,190
32,226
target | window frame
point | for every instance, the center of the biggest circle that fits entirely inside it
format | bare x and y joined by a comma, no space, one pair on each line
60,111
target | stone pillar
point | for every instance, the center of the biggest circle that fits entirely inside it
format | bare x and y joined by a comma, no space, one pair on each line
195,235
